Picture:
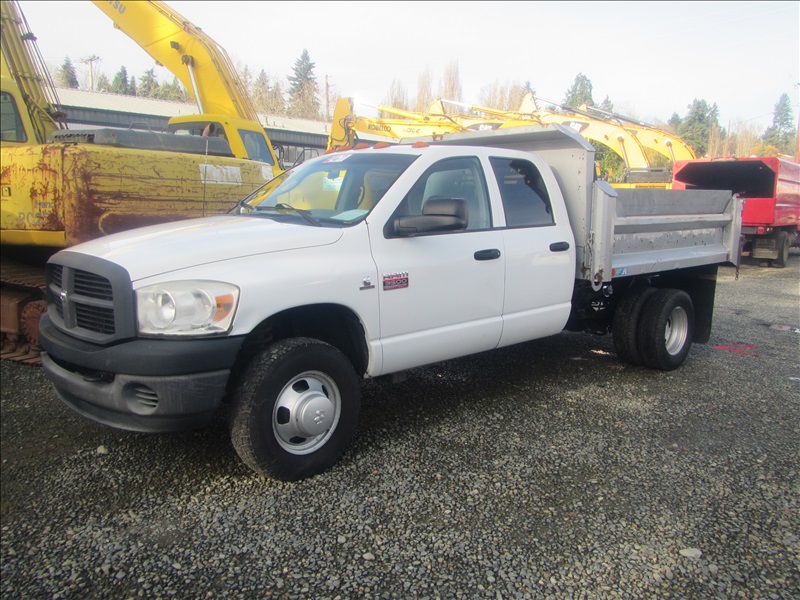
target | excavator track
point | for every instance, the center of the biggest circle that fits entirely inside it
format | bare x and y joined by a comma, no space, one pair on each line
22,299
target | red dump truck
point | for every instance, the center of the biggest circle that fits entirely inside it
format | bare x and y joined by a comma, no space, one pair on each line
771,188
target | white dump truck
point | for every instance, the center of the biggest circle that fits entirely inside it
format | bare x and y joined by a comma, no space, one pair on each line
369,262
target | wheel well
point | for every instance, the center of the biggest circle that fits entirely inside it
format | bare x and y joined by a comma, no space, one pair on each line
593,311
331,323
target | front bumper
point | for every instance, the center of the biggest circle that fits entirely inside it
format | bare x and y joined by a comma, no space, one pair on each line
143,384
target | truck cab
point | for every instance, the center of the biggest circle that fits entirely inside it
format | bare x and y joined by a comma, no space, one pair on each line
396,256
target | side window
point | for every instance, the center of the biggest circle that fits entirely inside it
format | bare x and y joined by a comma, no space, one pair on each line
11,129
256,146
525,198
460,178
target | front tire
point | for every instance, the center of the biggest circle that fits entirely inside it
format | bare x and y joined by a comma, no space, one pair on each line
295,409
666,329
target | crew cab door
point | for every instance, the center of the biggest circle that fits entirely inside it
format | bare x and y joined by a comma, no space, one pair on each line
440,281
539,248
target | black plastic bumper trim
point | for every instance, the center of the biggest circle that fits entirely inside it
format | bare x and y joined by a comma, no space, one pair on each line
141,356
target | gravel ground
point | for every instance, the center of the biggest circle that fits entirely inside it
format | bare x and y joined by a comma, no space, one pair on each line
546,470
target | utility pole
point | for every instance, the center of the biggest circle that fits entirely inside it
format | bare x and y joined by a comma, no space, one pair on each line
327,100
90,61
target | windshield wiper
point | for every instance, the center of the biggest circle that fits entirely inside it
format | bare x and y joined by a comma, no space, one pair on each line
245,202
306,214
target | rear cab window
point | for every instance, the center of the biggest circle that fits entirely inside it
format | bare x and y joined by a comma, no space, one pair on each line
526,202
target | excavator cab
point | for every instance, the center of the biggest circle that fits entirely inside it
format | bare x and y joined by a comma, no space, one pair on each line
12,128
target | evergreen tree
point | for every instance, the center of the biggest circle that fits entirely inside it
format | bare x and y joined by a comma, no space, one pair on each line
173,91
132,87
698,125
303,93
276,104
579,93
66,75
102,84
149,86
120,83
782,134
606,105
267,98
246,77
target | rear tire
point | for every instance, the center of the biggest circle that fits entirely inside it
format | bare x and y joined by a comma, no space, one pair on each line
783,250
625,328
666,329
295,409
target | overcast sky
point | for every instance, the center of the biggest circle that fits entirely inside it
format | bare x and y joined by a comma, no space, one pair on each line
651,59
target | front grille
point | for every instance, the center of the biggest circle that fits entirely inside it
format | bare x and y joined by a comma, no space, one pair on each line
90,298
55,272
95,318
93,286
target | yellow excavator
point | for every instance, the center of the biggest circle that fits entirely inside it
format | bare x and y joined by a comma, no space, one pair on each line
661,142
204,69
637,166
61,187
635,143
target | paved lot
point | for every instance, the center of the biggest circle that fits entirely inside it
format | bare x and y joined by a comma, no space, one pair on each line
546,470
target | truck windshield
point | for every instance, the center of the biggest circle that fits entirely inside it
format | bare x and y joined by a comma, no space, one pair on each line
335,190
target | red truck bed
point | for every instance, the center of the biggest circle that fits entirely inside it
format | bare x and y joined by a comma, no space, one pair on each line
770,185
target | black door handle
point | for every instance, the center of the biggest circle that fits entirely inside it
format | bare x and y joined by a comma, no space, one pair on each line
487,254
559,246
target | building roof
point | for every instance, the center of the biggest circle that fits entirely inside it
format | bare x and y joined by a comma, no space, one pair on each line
168,108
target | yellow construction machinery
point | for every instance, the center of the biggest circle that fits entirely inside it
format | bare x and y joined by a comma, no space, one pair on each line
637,144
61,187
204,69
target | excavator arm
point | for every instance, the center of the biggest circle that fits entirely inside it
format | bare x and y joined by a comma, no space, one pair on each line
204,68
201,65
439,121
347,125
26,83
621,141
663,142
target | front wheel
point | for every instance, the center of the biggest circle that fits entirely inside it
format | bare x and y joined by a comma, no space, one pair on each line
666,329
295,409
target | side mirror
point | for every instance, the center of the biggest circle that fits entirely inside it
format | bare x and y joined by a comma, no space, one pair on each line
438,215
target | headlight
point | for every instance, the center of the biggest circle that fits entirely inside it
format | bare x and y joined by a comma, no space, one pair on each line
186,308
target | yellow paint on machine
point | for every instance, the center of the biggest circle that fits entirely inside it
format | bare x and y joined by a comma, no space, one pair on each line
84,191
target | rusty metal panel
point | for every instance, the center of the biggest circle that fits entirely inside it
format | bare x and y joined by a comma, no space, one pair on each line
90,190
32,188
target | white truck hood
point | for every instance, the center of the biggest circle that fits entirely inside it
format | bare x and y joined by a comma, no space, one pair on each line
159,249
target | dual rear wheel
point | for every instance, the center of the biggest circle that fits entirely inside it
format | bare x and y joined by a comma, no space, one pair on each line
654,327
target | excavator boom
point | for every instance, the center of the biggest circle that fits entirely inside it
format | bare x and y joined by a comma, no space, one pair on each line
22,66
201,65
663,142
438,121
